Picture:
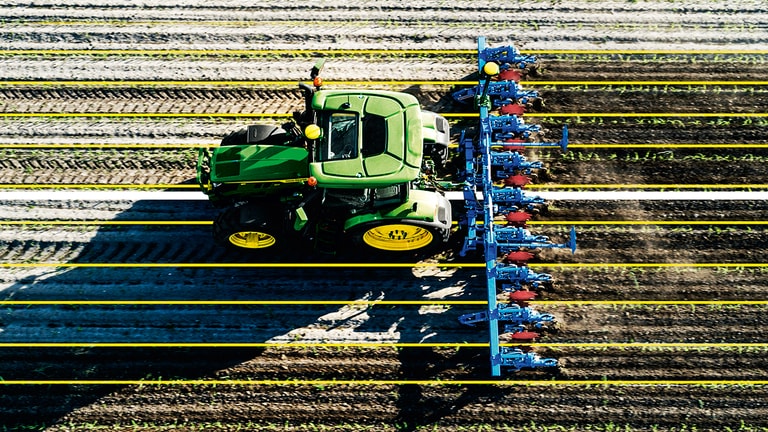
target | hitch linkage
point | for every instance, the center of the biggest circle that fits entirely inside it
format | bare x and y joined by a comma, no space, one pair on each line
516,359
511,162
506,57
510,127
513,316
501,93
513,199
516,238
513,277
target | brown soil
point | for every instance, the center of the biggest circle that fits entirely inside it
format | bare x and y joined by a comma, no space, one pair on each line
403,406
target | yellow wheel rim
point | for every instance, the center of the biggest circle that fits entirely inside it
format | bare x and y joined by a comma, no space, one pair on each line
252,239
397,237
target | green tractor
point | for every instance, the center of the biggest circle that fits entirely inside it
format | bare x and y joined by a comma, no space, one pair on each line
355,170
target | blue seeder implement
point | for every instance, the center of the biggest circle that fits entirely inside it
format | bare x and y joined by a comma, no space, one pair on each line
513,277
486,160
504,92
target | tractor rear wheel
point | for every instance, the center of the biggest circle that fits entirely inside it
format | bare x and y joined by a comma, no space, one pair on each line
398,237
255,228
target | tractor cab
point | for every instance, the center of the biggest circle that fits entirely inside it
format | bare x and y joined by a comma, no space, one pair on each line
367,139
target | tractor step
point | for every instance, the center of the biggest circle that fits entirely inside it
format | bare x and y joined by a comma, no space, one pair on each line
327,234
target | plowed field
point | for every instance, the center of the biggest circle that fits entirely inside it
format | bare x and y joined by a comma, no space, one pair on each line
121,314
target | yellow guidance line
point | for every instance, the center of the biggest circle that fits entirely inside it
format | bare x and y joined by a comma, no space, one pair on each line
646,186
648,222
285,115
139,115
534,186
634,114
58,146
97,186
623,115
273,345
242,302
236,52
686,145
109,222
534,222
648,265
239,265
439,302
240,382
355,83
331,52
379,345
642,83
372,265
44,146
237,83
651,302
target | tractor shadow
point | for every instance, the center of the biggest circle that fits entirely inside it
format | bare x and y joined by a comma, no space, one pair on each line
36,406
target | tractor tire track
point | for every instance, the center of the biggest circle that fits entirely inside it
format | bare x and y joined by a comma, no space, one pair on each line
658,244
232,100
98,167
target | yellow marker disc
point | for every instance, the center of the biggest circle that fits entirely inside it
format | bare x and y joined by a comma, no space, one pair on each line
313,132
491,69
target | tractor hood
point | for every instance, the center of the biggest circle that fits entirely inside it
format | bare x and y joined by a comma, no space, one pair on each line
370,138
257,163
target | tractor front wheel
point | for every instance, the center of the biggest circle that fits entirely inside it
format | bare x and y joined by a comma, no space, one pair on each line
255,228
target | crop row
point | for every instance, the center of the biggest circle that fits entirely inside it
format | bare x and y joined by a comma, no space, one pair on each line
402,22
653,156
666,88
311,426
440,56
680,122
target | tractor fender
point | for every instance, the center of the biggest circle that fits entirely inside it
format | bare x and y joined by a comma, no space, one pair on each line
424,208
257,134
436,129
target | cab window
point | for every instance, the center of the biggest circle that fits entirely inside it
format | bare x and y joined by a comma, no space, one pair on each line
340,141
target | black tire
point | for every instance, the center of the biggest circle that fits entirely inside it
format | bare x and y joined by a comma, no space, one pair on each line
253,228
397,237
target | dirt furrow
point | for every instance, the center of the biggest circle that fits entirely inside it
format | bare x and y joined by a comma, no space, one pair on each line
656,68
452,409
417,405
284,101
380,67
386,24
659,166
378,34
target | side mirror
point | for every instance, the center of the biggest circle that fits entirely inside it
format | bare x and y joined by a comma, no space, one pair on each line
315,74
